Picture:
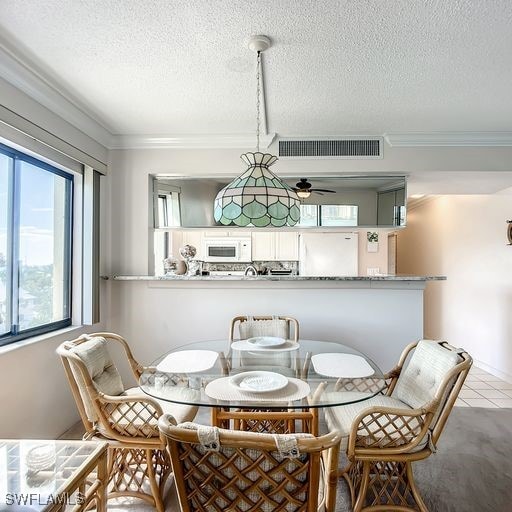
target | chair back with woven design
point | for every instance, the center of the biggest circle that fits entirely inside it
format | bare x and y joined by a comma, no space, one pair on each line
249,326
218,469
277,326
430,375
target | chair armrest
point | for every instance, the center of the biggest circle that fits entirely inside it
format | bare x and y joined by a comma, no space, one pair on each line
131,418
394,373
391,379
381,430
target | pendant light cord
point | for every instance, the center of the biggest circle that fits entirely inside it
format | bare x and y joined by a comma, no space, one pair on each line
258,94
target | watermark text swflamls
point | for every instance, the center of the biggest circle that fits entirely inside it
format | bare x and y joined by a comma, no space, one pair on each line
31,499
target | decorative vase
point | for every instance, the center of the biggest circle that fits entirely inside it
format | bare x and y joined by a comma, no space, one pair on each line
181,268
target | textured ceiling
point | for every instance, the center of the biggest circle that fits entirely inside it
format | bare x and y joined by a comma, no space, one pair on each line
336,67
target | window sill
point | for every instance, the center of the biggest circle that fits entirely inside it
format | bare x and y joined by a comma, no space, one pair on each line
37,339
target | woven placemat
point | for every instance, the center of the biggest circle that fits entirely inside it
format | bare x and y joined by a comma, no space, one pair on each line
222,389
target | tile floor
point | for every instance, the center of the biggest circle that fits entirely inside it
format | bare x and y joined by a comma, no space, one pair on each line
482,389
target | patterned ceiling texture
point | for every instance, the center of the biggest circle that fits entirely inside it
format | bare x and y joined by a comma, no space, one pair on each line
354,67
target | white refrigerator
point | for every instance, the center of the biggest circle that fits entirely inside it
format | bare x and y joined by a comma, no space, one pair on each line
328,254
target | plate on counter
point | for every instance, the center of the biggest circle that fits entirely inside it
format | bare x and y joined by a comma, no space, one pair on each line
266,341
259,381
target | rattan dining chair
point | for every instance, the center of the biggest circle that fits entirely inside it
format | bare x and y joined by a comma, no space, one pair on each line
217,469
389,432
281,421
126,418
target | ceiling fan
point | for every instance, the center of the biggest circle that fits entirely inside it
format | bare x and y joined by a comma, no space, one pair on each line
304,189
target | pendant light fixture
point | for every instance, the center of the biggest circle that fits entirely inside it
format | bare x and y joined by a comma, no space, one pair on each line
257,197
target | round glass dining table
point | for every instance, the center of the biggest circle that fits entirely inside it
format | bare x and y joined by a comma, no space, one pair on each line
268,373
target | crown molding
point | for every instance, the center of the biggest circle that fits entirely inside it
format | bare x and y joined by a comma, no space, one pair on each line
189,141
31,80
454,139
414,203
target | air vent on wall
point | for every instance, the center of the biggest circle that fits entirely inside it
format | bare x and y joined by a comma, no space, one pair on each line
331,148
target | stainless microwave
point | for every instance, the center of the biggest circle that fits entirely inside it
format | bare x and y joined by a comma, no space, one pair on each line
229,249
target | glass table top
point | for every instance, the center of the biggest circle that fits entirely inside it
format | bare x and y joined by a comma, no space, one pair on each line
34,473
270,373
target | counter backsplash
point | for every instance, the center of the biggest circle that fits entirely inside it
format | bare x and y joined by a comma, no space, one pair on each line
260,266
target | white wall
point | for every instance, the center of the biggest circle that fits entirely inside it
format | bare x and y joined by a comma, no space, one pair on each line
464,238
34,394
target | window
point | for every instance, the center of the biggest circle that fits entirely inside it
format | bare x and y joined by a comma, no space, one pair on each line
167,212
308,215
35,246
328,215
338,215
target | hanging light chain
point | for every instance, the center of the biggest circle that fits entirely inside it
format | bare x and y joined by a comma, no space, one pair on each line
258,94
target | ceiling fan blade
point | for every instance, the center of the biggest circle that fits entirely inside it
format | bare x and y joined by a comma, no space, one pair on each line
324,190
316,192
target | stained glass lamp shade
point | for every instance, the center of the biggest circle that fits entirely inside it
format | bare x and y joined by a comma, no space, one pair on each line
257,197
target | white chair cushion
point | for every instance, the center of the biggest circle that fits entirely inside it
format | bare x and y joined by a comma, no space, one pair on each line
104,374
420,380
341,418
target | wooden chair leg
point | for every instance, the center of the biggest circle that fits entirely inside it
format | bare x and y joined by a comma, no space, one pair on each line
363,486
383,485
414,490
101,502
156,489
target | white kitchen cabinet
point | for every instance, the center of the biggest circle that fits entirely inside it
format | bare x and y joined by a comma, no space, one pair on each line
263,246
287,245
275,246
192,237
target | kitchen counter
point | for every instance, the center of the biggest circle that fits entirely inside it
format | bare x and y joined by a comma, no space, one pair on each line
281,278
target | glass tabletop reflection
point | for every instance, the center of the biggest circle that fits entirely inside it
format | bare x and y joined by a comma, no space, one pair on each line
270,373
